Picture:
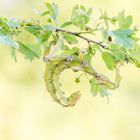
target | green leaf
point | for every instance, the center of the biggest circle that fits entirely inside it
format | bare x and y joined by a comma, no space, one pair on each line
34,29
124,22
65,24
71,39
118,52
109,60
87,57
49,28
104,34
45,36
6,40
95,88
50,8
123,38
104,16
13,54
64,47
135,53
14,23
53,9
45,13
42,36
30,51
36,49
103,91
80,17
89,12
93,48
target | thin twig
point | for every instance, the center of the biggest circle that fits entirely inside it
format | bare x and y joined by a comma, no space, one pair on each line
78,35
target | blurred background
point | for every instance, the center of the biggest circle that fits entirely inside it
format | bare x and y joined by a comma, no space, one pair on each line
27,111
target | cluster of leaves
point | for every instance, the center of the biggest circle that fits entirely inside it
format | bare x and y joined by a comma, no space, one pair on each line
118,42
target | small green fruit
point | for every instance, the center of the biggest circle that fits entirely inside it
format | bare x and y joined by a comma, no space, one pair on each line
77,80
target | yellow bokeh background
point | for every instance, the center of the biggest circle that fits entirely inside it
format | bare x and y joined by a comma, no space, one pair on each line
27,111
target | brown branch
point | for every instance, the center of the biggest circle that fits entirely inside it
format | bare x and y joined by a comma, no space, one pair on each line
82,37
